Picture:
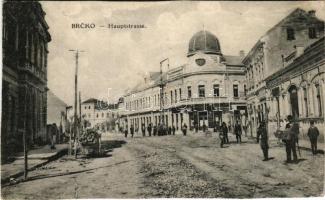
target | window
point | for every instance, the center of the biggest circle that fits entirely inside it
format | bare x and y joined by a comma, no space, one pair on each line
180,93
312,33
85,107
175,96
201,91
97,115
171,97
305,101
245,90
216,90
290,34
89,107
235,87
189,91
319,101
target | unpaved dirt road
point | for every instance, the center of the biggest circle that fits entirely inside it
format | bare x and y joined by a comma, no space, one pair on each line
174,166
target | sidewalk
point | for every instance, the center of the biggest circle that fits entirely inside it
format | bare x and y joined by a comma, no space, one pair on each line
36,157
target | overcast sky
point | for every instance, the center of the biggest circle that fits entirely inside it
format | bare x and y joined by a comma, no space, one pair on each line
117,59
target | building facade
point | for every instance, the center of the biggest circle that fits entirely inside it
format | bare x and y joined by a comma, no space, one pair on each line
24,83
209,89
97,114
273,52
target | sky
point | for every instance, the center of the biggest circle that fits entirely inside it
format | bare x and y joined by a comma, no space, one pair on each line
116,59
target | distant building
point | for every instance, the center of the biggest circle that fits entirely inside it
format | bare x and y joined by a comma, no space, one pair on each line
56,112
24,81
208,89
96,114
274,52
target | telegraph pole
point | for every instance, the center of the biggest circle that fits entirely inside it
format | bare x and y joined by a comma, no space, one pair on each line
76,132
162,92
80,117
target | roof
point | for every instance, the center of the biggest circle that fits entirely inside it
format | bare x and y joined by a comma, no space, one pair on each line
91,100
297,11
233,60
204,41
316,48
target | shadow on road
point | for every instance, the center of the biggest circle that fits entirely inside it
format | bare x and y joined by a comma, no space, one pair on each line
62,174
107,147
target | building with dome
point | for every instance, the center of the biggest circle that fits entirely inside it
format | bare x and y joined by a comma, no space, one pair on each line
208,89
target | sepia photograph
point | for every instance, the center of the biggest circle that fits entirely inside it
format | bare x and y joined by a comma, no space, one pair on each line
162,99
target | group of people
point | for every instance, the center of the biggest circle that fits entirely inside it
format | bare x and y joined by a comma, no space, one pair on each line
289,137
223,133
159,130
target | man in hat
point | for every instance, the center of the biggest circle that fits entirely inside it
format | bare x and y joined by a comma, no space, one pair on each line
261,132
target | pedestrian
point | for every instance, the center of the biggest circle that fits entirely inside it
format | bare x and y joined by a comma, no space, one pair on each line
149,129
261,132
169,130
290,139
184,129
154,130
238,132
224,131
54,131
132,130
160,129
173,129
204,127
143,130
126,132
196,126
313,133
222,139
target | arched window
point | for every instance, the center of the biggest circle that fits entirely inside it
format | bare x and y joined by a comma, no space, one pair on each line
294,101
305,101
318,98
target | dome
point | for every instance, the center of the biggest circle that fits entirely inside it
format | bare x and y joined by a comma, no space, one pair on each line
204,41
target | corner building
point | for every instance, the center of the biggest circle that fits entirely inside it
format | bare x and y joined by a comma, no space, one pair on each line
24,81
209,89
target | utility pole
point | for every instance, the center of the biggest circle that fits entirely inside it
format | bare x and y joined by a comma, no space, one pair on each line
25,138
80,117
162,92
76,132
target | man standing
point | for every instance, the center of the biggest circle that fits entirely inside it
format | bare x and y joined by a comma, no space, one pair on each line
224,130
132,130
184,129
313,133
292,131
204,127
149,129
54,131
261,132
173,129
154,130
143,130
238,132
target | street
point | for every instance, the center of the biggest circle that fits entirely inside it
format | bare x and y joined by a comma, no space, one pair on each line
175,166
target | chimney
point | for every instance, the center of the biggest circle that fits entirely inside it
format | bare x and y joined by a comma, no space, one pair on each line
242,53
299,50
312,13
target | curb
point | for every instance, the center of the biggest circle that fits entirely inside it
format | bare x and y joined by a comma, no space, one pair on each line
49,159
